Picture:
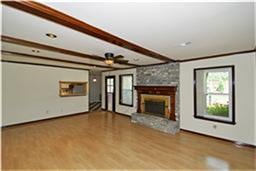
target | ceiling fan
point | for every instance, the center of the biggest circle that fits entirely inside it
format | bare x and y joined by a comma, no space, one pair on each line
111,59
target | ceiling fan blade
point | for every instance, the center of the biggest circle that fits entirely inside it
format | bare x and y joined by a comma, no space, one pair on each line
119,57
122,61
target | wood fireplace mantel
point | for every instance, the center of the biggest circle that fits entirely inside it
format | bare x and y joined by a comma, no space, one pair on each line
158,90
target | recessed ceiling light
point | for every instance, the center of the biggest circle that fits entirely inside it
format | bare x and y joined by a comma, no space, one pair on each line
185,44
35,51
51,35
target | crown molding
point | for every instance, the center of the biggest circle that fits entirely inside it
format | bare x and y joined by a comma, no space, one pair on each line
217,56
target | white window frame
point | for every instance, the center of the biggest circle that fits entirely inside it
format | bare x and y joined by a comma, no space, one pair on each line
230,110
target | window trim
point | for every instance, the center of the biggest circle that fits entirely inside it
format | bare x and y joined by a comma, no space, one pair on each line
232,95
120,90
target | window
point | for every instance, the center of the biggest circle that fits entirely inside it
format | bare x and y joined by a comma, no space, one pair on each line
68,88
214,94
110,85
126,90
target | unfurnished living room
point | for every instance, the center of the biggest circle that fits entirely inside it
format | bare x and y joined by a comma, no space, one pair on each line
128,85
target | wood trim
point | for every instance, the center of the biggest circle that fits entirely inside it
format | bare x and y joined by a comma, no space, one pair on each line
193,59
46,119
58,17
55,60
149,65
117,113
188,60
122,114
211,136
45,65
120,90
216,56
22,42
118,69
233,95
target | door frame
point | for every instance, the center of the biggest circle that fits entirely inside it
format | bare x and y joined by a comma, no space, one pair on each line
114,93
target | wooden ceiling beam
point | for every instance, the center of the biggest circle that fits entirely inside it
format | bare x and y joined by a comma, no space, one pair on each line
54,60
27,43
61,18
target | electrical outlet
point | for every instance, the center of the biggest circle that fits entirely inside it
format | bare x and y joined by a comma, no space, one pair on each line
214,126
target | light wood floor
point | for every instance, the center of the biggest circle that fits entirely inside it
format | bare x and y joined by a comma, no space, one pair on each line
102,140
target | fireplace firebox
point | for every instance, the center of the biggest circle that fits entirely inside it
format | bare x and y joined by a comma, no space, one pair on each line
154,107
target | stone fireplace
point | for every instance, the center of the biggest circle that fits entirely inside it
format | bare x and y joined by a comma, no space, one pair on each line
158,97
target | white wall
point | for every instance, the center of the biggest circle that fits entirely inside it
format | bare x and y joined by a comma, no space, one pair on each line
245,111
32,93
120,108
255,95
254,24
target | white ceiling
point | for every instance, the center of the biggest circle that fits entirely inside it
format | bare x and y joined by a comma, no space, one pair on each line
213,28
25,26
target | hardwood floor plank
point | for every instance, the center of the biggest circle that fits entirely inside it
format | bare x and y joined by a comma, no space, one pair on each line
103,140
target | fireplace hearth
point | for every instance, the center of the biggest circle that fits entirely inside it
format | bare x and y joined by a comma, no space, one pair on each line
155,122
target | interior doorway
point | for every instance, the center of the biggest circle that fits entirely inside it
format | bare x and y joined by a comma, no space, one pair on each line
95,90
110,93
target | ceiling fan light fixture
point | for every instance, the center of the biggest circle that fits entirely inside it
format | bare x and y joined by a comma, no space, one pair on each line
109,58
109,61
109,55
